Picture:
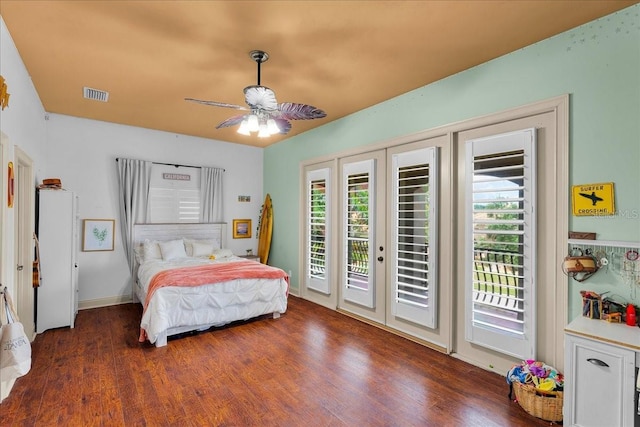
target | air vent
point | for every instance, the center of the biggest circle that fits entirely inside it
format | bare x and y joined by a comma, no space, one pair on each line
96,95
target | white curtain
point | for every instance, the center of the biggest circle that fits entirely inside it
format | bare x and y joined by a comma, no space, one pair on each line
134,177
211,194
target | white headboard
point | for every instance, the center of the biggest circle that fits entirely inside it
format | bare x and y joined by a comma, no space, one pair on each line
211,231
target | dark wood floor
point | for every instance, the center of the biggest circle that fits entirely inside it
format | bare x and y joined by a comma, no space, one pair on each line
312,367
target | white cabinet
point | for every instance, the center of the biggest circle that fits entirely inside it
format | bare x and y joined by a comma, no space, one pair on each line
600,359
57,296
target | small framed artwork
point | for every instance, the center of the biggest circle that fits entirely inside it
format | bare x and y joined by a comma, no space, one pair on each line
98,234
241,228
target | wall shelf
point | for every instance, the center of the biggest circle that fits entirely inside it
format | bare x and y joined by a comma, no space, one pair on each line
610,243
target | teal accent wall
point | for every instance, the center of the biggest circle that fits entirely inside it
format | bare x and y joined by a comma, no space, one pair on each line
598,64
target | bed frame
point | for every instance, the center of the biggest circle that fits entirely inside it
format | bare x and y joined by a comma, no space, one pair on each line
213,230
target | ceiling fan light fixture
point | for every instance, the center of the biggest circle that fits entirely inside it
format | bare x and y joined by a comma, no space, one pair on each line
253,125
243,129
272,127
263,132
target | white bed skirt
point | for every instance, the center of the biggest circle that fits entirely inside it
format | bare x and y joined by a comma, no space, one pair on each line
174,310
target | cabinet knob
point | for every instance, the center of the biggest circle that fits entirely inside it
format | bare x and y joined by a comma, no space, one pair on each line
597,362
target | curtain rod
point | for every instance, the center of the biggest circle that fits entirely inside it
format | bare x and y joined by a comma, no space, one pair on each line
179,166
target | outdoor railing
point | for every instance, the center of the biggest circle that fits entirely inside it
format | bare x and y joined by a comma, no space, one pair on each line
496,277
358,257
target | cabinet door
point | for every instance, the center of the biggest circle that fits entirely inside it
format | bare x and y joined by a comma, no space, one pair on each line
599,384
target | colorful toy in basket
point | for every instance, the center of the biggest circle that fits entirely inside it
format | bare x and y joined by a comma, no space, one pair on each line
540,375
538,389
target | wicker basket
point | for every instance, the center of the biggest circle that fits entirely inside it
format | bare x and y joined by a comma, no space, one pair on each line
546,405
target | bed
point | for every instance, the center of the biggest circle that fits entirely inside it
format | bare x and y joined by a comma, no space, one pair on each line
186,280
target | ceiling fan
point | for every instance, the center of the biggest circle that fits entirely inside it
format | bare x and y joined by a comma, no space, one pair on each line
267,116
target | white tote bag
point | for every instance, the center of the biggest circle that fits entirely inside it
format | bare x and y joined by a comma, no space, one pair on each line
15,348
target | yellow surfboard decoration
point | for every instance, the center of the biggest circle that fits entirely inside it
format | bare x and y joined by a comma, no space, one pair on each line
265,229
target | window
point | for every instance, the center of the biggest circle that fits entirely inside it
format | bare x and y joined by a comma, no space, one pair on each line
500,243
174,205
174,200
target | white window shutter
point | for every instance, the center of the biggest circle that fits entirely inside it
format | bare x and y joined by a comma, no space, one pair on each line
318,203
358,280
500,240
415,244
174,205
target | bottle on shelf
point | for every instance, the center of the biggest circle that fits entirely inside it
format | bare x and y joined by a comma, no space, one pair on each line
631,315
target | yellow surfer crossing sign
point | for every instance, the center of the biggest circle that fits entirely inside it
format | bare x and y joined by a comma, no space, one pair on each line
593,199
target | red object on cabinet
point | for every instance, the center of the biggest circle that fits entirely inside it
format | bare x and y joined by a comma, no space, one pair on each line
631,315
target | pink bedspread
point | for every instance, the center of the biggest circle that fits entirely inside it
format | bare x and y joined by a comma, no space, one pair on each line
210,273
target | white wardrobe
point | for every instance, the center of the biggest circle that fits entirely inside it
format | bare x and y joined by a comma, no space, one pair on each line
58,233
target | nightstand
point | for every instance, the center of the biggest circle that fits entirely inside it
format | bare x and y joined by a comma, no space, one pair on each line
251,257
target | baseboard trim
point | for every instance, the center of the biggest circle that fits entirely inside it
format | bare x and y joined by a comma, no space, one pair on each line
402,334
104,302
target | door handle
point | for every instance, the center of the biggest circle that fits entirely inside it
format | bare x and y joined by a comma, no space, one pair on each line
20,267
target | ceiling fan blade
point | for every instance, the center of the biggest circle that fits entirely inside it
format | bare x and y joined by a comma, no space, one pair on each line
283,124
217,104
293,111
231,121
260,97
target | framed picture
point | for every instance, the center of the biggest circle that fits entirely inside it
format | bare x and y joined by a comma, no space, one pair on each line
241,228
98,234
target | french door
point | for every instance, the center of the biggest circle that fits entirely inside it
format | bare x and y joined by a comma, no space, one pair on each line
388,235
362,211
413,180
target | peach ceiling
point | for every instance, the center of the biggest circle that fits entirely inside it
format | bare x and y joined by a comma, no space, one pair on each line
340,56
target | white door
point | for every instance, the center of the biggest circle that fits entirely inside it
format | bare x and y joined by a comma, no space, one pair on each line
362,235
414,243
24,227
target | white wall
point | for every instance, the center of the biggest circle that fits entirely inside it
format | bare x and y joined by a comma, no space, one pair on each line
23,120
82,154
22,124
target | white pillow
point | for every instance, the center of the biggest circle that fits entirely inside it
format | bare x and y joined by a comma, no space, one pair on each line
201,249
151,250
222,253
172,249
188,243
